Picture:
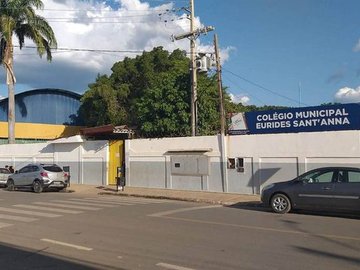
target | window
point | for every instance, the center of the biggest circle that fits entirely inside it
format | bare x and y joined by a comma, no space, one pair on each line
52,168
342,177
231,163
354,177
318,177
25,169
324,178
240,164
34,168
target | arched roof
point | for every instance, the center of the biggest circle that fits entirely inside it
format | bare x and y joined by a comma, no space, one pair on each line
42,91
47,105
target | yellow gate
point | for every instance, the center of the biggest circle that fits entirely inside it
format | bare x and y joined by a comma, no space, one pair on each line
116,149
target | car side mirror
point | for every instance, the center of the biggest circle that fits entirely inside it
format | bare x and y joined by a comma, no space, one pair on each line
16,171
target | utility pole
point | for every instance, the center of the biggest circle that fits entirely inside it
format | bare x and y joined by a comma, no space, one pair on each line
221,99
192,36
193,73
223,146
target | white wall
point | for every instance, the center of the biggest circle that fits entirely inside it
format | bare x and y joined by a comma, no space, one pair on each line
267,158
149,163
87,160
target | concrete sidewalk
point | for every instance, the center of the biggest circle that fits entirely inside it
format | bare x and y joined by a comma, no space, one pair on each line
182,195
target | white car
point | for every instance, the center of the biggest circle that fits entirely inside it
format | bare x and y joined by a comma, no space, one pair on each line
4,174
38,177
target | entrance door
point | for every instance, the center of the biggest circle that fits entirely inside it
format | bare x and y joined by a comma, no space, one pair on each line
116,158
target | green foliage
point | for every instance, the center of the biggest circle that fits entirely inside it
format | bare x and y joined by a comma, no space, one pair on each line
18,17
163,110
152,91
208,105
100,104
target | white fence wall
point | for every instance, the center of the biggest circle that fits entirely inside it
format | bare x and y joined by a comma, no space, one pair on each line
169,162
87,160
195,163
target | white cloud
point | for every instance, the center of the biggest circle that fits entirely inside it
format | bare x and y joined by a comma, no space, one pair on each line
243,99
348,95
133,26
357,47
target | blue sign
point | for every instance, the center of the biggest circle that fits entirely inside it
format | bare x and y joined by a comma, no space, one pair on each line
307,119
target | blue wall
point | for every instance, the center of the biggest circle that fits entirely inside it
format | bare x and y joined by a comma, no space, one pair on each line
46,106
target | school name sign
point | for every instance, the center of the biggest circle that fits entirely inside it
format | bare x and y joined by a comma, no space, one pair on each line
308,119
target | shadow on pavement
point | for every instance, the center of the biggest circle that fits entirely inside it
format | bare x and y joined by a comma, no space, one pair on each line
16,258
329,255
254,206
107,188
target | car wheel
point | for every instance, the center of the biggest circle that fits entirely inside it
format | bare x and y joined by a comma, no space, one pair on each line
280,203
37,187
10,185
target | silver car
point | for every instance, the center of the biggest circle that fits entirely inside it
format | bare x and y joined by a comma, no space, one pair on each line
38,177
4,173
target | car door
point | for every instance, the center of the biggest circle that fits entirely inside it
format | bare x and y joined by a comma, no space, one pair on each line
31,175
347,189
21,176
316,190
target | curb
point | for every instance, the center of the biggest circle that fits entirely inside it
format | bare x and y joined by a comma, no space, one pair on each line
161,197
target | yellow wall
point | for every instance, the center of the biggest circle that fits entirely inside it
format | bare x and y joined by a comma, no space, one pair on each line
115,160
39,131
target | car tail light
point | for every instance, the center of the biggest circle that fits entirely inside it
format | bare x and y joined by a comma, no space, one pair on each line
44,174
66,175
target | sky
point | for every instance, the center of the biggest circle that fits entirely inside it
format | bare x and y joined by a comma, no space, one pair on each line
273,52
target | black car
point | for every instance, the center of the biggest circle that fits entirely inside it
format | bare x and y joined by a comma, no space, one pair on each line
330,188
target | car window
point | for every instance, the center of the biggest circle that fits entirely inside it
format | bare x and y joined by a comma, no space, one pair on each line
324,177
25,169
318,177
354,177
34,168
52,168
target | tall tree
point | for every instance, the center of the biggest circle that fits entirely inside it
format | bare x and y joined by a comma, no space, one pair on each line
152,93
18,18
100,104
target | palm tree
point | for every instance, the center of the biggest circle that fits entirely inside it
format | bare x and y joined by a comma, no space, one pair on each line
18,19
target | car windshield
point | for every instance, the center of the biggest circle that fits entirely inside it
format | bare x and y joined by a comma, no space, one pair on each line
52,168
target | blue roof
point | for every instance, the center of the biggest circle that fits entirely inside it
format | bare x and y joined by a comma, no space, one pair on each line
46,106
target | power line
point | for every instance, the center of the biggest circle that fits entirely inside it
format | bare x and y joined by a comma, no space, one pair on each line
86,50
240,88
63,49
264,88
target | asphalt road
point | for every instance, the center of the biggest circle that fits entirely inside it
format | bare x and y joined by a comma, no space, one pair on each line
55,230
